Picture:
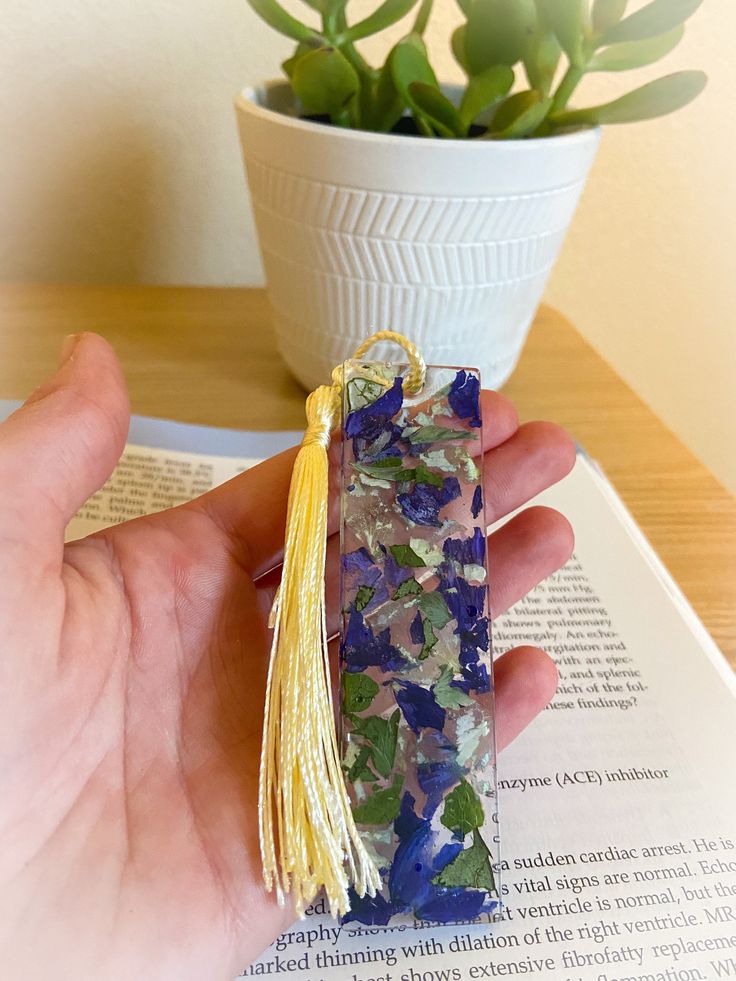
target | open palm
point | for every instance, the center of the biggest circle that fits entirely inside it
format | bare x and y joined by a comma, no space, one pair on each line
132,679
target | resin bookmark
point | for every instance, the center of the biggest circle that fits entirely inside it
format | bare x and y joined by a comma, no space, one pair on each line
417,733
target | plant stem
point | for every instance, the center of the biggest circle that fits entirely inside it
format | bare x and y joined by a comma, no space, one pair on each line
567,86
420,23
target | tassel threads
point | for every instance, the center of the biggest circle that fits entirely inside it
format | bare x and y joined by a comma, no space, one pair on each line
307,834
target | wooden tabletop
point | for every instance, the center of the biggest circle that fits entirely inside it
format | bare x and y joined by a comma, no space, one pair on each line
208,356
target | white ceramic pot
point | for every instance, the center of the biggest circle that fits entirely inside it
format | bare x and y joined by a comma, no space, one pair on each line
447,241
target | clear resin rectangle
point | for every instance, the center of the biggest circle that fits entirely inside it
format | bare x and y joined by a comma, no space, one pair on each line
417,711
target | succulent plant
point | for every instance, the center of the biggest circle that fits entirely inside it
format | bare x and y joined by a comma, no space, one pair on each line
549,44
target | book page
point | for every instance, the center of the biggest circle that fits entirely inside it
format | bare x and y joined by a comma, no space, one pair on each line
617,806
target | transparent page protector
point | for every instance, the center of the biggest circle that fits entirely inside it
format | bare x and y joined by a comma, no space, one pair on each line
417,709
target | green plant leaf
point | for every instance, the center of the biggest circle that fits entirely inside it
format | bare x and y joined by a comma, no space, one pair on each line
434,607
457,43
381,734
481,92
387,108
566,19
436,109
519,115
363,597
360,769
657,98
656,18
445,694
409,63
541,58
406,557
358,691
470,869
497,32
384,16
278,18
325,81
409,587
382,807
635,54
606,13
463,811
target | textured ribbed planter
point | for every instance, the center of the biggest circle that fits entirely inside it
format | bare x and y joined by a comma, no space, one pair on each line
450,242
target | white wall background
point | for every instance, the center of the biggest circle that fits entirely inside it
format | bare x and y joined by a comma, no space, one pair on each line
120,164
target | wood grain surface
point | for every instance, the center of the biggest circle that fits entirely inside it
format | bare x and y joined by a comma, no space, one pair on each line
208,356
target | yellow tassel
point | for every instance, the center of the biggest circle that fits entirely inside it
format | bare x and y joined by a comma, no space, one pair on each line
307,834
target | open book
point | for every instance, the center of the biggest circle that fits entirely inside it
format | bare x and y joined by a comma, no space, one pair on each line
617,806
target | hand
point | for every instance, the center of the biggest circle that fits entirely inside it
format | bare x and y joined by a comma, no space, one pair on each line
132,680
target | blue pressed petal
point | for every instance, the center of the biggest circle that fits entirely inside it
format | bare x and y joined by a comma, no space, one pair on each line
466,551
416,629
361,648
476,505
419,707
407,821
370,910
451,905
370,419
464,397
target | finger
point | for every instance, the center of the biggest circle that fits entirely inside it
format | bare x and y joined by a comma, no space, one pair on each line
523,552
251,508
536,457
525,680
63,443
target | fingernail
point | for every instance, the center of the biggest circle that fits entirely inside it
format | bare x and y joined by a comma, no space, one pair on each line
67,348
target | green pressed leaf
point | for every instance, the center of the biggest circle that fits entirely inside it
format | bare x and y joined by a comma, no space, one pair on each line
606,13
457,43
409,587
635,54
497,32
429,641
325,81
381,734
382,807
278,18
481,92
360,769
358,691
384,16
406,557
363,597
656,18
363,391
386,469
657,98
438,434
471,869
445,694
519,115
436,109
463,811
434,607
566,19
392,468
